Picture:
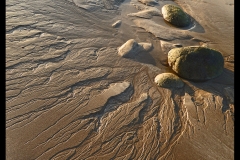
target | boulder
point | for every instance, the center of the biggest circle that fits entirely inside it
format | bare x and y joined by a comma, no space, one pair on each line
175,15
168,80
196,63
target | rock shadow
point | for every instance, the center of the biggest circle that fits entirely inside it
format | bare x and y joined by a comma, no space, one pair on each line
222,85
144,57
194,26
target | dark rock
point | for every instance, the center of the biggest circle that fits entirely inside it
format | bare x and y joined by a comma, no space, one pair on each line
175,15
196,63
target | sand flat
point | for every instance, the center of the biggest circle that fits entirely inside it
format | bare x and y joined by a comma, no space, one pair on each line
69,95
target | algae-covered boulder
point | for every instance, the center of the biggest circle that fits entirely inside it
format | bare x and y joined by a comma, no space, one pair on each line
196,63
168,80
175,15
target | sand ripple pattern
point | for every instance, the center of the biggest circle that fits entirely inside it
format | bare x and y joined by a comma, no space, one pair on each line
70,96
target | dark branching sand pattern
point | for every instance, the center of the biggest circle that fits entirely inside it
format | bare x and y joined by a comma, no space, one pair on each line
69,95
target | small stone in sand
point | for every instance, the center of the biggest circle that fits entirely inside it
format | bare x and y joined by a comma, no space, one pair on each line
132,48
116,24
146,46
128,49
168,80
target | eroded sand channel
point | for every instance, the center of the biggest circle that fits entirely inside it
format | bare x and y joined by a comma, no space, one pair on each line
70,96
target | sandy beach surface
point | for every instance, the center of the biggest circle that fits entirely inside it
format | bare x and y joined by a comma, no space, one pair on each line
69,95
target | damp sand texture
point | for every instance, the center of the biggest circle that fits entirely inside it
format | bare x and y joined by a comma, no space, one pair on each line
69,95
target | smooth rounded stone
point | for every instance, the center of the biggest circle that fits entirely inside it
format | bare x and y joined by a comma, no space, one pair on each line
116,24
196,63
175,15
168,80
146,46
147,13
148,2
128,49
131,48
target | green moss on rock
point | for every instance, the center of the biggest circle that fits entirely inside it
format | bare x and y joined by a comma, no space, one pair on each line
168,80
175,15
196,63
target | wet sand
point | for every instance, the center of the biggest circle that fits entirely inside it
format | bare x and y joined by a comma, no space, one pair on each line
69,95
